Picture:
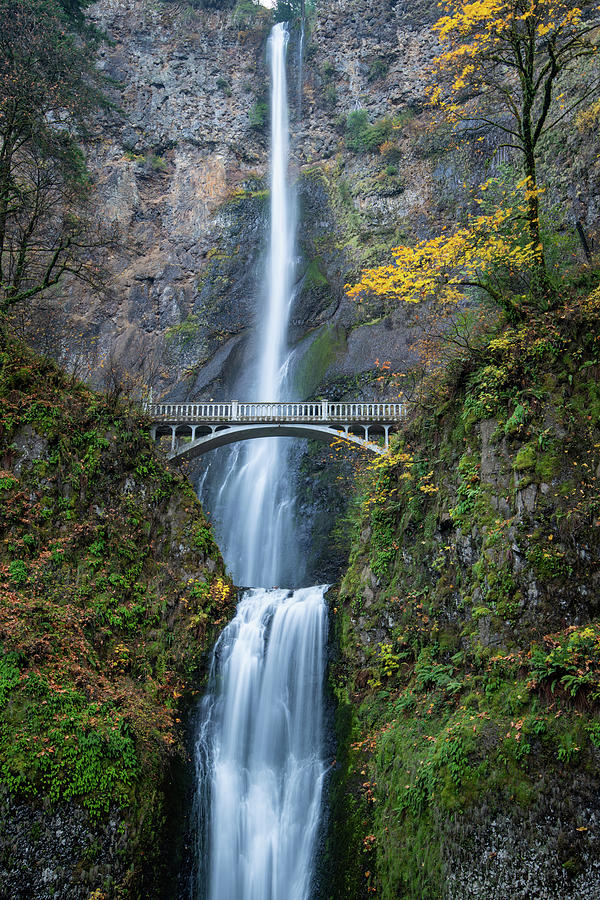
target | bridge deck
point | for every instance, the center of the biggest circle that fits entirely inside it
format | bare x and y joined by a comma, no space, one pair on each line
237,412
195,428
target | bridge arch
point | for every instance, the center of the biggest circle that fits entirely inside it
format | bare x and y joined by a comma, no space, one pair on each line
229,435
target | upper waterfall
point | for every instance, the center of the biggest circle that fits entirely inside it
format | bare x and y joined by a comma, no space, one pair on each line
254,504
282,228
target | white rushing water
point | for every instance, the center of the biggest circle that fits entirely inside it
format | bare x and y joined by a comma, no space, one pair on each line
253,504
259,752
261,745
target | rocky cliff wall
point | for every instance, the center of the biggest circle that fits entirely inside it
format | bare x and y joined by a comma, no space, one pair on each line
180,168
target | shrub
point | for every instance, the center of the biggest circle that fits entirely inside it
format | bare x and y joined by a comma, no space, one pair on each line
258,115
361,136
378,69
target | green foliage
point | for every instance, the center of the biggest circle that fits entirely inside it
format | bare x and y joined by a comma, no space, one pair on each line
468,490
288,10
516,421
330,95
246,11
361,136
223,85
463,706
46,72
10,675
81,749
378,68
383,544
572,664
100,633
548,562
17,570
157,163
432,674
259,115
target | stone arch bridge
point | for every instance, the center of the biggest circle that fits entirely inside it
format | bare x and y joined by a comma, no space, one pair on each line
196,428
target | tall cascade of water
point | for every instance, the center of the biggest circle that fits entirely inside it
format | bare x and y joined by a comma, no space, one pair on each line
259,752
254,504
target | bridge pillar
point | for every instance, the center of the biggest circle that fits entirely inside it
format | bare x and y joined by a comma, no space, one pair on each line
173,433
153,432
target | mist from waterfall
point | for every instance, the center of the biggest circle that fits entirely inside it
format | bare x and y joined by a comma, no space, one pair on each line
259,750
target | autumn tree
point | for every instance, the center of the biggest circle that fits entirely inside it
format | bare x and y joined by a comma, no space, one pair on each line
49,87
501,66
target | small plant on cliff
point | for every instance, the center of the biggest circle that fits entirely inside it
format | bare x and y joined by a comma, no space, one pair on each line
361,136
258,115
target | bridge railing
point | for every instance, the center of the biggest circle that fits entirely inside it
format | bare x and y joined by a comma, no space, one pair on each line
236,411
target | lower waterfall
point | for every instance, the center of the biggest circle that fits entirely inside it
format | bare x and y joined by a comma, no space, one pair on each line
259,752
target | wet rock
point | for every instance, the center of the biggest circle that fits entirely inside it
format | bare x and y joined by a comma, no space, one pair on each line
30,447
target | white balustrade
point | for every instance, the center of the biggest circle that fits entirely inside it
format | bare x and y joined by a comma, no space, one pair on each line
320,412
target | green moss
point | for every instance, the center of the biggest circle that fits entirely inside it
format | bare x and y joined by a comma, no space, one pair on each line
258,115
547,466
314,275
184,333
321,353
525,458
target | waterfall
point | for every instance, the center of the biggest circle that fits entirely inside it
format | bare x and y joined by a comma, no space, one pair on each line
253,504
300,67
259,754
260,747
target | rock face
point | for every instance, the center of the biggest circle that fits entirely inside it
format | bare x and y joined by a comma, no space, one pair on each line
180,170
57,853
164,167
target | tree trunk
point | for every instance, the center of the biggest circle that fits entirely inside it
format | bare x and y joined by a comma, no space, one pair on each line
541,289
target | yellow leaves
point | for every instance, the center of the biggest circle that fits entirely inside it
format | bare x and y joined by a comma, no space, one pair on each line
544,28
435,95
475,33
441,266
588,118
